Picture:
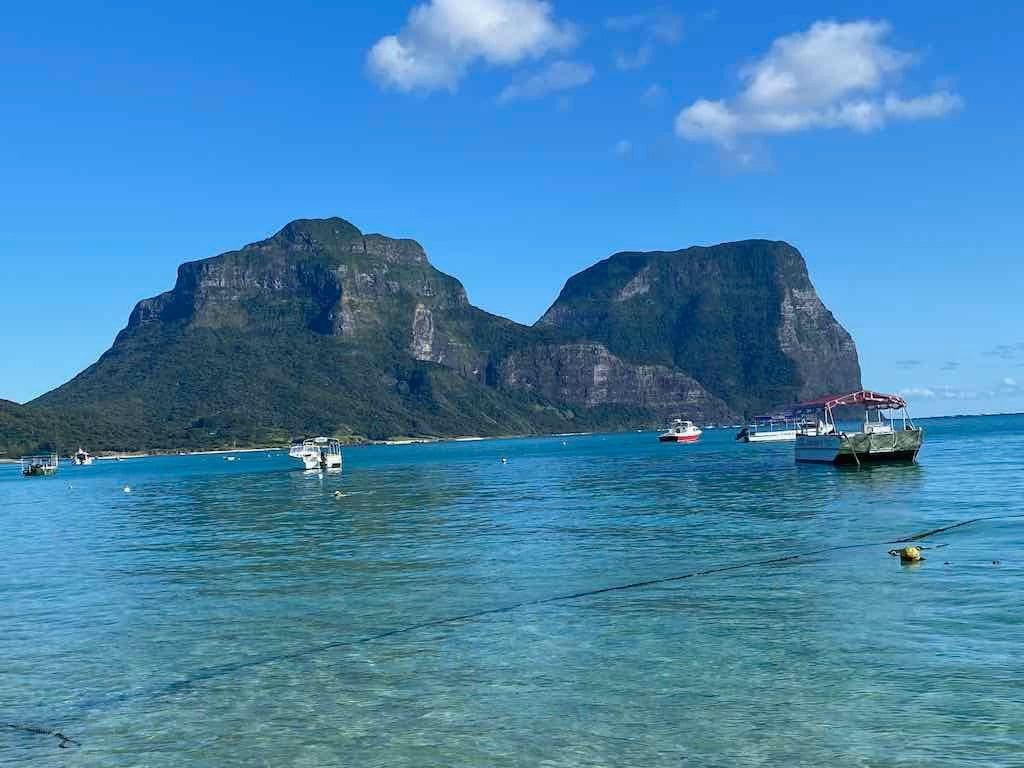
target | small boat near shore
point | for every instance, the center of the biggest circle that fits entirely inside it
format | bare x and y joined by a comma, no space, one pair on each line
40,466
879,440
82,458
680,432
772,429
317,453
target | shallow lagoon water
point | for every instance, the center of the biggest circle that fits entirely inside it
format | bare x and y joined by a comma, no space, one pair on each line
218,613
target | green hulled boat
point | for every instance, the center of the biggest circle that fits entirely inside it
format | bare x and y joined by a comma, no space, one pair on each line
39,466
882,438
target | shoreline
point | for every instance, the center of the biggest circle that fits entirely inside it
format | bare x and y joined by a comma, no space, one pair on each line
154,454
394,441
358,441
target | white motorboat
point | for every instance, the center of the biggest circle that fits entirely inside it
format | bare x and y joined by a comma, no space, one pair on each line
82,458
772,429
317,453
681,432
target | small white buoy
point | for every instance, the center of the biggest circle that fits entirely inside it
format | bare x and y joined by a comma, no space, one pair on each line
338,494
127,489
504,460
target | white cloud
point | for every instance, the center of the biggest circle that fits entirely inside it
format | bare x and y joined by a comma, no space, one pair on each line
636,60
557,76
708,119
1008,351
933,105
917,392
442,38
653,95
653,29
663,24
830,76
1007,387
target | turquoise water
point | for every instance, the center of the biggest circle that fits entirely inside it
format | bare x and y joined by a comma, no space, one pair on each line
218,614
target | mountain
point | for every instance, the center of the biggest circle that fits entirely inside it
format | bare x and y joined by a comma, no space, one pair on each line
322,329
19,430
741,318
26,429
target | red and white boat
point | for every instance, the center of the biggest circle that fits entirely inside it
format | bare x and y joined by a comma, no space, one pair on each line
681,432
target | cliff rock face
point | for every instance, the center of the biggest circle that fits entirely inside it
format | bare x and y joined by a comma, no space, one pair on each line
824,353
323,276
323,329
741,318
587,374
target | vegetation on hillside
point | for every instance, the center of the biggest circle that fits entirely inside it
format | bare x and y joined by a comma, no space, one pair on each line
323,330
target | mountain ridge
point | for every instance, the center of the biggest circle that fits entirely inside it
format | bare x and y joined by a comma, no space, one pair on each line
322,328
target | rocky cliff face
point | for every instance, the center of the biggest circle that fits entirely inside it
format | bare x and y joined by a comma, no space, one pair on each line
824,353
321,328
586,374
741,318
325,275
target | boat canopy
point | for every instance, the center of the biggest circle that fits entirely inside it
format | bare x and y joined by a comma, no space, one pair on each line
865,397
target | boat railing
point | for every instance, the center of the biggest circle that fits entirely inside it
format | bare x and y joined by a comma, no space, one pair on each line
328,446
50,458
31,464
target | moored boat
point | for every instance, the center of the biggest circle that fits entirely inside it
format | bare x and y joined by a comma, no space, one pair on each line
879,440
82,458
681,432
769,429
40,466
317,453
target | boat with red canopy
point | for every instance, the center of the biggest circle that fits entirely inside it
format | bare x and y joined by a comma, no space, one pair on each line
887,433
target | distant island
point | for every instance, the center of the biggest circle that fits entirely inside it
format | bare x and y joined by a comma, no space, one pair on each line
321,329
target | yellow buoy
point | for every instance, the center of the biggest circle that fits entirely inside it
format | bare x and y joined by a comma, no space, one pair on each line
909,554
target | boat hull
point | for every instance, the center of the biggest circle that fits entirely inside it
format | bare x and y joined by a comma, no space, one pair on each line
314,462
678,438
860,448
779,436
39,472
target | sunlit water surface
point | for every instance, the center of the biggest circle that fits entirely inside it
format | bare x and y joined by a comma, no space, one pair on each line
218,613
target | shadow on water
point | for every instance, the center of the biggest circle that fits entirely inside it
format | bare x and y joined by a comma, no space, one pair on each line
898,476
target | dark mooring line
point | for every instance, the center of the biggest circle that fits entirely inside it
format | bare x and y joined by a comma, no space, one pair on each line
63,741
223,670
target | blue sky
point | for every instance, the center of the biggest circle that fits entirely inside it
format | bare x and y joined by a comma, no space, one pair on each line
521,141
